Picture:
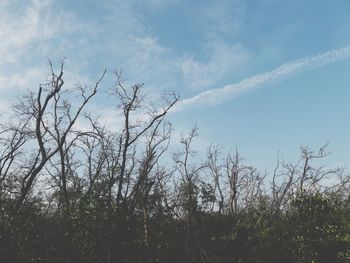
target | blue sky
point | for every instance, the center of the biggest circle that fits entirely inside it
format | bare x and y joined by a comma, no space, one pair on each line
207,51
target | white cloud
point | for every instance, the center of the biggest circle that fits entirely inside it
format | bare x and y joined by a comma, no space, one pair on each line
4,106
43,30
17,32
147,53
26,79
144,59
228,92
227,16
26,29
160,4
224,59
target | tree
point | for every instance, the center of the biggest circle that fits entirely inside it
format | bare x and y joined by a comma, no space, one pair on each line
189,178
95,193
49,119
319,231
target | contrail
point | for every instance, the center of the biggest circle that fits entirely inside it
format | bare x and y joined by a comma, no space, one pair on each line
287,70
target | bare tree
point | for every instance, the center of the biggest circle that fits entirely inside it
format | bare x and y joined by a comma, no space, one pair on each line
51,119
131,102
291,178
233,170
216,170
311,176
13,138
189,177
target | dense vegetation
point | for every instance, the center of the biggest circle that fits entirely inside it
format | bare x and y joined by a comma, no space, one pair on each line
74,190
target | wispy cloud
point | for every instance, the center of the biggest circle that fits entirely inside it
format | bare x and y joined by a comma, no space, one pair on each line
290,69
225,16
225,59
25,42
33,25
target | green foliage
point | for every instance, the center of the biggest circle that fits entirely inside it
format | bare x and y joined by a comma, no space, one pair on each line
315,228
319,228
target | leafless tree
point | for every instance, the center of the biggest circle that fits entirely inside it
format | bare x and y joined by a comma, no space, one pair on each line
291,178
216,170
233,171
13,138
189,177
49,119
131,101
156,145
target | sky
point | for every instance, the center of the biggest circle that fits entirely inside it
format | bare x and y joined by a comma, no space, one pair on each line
262,76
